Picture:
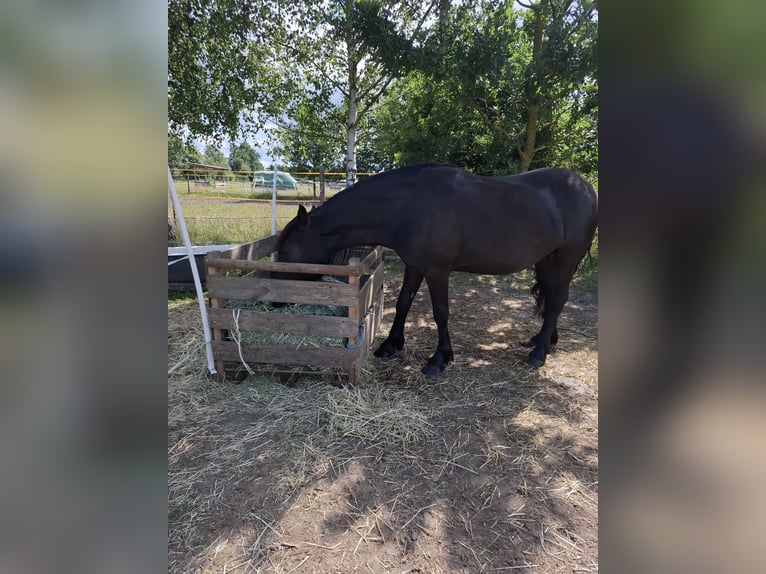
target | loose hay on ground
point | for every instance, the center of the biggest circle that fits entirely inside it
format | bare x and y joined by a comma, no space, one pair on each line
491,443
390,421
221,436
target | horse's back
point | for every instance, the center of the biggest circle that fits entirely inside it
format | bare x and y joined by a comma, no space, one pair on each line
575,198
501,224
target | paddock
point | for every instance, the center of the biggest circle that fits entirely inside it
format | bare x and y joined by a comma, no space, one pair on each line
491,468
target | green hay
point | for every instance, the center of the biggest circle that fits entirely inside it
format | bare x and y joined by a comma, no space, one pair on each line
291,339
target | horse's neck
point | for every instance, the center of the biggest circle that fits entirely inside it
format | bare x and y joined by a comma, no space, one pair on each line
353,221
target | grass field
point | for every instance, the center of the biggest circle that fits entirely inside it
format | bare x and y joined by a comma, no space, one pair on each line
225,220
235,213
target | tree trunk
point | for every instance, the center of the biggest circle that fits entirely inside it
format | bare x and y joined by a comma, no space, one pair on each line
351,128
351,123
527,153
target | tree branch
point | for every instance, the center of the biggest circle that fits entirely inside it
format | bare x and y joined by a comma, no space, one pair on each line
373,99
500,129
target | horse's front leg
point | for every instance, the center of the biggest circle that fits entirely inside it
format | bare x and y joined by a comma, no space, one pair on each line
395,340
438,284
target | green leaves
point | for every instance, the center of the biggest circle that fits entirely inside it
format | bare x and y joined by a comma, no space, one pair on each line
214,78
244,158
480,83
498,89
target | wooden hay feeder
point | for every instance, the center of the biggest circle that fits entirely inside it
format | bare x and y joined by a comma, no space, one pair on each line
247,330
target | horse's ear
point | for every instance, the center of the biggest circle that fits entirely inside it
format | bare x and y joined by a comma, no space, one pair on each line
302,217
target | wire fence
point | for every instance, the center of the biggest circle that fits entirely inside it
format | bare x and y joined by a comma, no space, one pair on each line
221,206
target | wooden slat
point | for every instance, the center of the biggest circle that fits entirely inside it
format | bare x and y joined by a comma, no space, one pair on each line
370,289
282,290
371,260
250,251
353,313
264,321
217,334
305,355
312,268
371,324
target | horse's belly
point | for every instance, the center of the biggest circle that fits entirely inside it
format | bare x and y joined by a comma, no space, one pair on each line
491,268
500,259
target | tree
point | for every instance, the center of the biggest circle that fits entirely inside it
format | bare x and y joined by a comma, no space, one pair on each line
498,85
311,142
563,59
219,70
499,89
335,51
214,156
181,153
244,158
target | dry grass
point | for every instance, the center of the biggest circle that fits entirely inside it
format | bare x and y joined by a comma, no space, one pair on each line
492,468
209,454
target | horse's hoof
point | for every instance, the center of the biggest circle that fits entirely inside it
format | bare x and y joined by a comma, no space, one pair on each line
432,371
535,362
529,343
385,351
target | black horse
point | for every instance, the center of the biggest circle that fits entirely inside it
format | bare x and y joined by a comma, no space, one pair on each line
439,218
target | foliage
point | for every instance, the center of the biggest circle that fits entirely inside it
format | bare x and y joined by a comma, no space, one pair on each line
498,90
342,73
214,156
180,153
244,158
314,139
485,84
210,70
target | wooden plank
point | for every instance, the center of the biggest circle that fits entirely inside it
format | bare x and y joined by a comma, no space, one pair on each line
312,268
353,313
371,324
370,289
274,354
216,334
371,260
282,290
264,321
251,251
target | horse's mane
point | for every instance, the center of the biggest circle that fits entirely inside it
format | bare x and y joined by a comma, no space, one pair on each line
361,186
379,178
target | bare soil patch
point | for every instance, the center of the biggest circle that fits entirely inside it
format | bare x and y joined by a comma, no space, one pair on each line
492,468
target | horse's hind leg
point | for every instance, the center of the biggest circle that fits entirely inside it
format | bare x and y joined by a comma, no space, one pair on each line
532,342
438,285
395,340
553,274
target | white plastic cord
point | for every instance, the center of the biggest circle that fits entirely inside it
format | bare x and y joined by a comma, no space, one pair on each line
237,336
195,274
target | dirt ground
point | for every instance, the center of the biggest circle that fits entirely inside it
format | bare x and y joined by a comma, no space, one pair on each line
492,468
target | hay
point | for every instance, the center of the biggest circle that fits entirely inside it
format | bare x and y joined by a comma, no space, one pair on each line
259,337
502,449
221,435
297,341
391,421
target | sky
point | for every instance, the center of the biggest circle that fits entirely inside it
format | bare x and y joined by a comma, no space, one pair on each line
258,141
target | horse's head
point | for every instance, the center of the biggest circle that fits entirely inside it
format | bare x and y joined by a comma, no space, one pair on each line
300,242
